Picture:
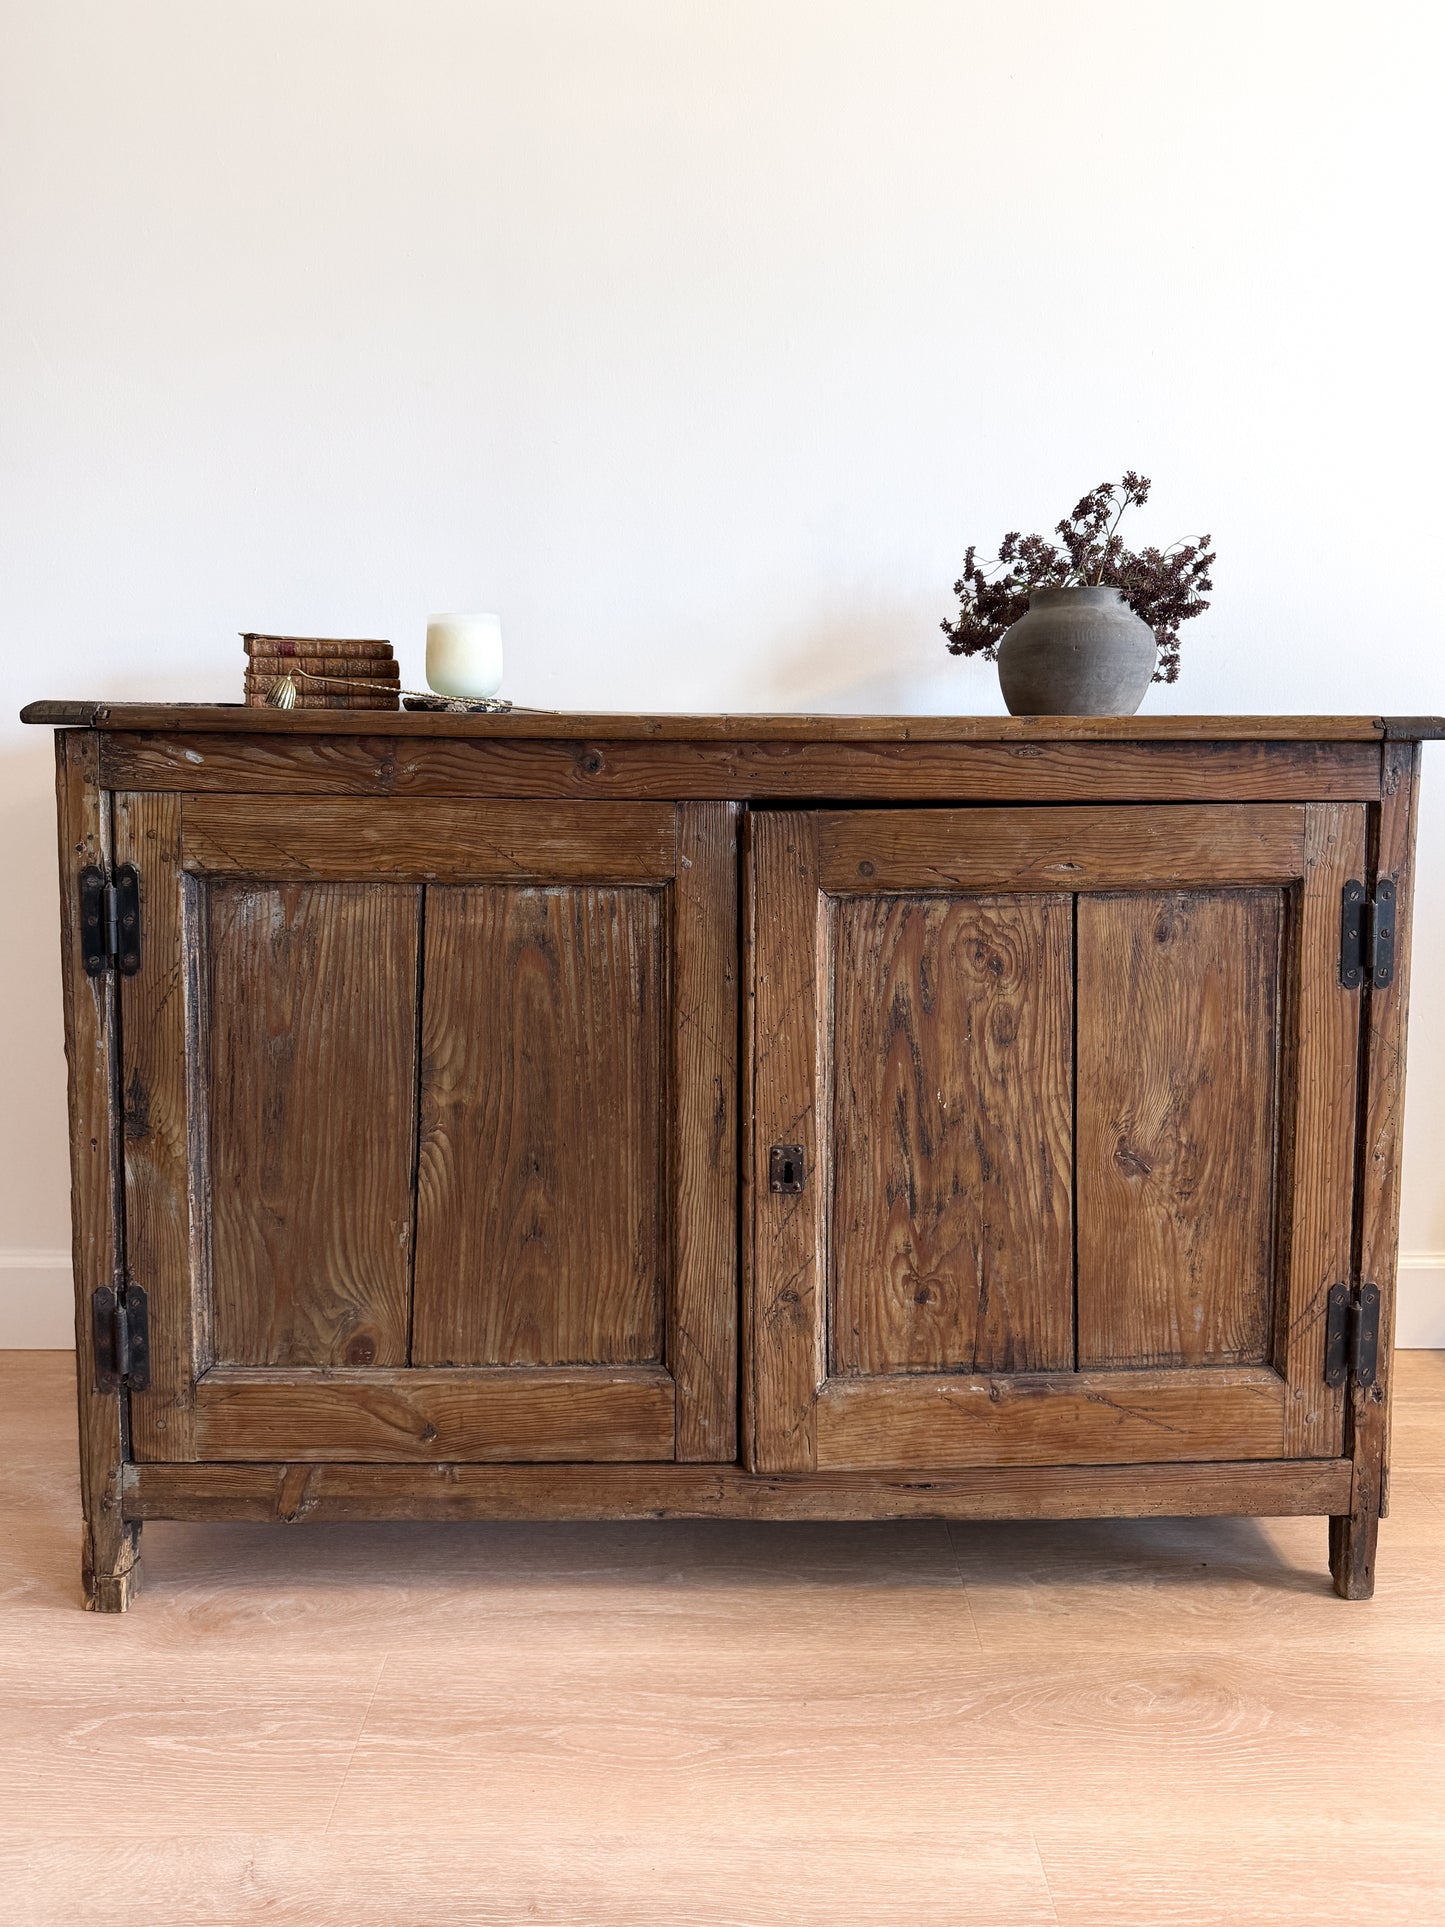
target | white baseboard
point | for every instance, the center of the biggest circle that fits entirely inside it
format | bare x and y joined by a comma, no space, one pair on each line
1420,1301
36,1313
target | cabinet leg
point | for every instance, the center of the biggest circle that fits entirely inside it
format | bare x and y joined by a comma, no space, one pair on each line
1352,1552
110,1563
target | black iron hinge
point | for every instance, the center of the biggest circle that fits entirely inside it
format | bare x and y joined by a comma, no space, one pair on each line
1367,935
1352,1335
120,1329
110,920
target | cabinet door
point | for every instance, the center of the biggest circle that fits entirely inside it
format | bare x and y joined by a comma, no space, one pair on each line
429,1134
1052,1135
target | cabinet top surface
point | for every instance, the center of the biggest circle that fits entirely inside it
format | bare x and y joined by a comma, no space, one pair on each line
235,718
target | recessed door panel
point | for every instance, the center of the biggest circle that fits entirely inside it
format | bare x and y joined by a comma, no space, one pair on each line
951,1041
310,1016
1180,998
541,1230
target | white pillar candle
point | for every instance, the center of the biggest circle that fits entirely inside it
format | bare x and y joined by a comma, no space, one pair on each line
464,655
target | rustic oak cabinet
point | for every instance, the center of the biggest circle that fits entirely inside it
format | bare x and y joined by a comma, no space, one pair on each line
548,1116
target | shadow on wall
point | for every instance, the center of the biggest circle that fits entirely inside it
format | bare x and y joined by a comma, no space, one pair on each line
878,659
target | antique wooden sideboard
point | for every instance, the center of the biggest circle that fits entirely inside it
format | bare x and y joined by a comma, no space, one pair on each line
545,1116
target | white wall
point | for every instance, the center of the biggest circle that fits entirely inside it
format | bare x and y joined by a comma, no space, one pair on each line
699,339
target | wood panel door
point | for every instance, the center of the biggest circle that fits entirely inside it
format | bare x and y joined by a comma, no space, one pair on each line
1051,1137
430,1128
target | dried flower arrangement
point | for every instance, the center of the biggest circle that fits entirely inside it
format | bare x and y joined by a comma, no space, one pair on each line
1164,587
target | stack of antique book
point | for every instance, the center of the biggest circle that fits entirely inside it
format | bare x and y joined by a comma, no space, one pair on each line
320,672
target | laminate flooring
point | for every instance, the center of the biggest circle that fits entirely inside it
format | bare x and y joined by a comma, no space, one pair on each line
720,1725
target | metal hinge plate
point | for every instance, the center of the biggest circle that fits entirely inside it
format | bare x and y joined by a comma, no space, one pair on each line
110,920
120,1332
1367,935
1352,1335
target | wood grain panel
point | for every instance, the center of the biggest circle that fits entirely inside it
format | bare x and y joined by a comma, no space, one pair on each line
1023,772
308,1491
1320,1133
355,838
864,851
541,1234
311,1023
166,1194
702,1344
1177,1147
110,1551
789,963
412,1414
953,1082
1092,1418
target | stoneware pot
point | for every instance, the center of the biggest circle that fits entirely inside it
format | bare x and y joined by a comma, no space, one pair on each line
1076,652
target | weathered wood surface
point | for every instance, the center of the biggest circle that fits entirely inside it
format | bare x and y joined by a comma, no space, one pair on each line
308,1491
951,1046
166,1191
541,1234
1354,1531
1248,812
1177,1147
702,1133
110,1556
789,966
863,851
1030,772
339,839
583,1413
1092,1418
309,1037
1320,1133
683,727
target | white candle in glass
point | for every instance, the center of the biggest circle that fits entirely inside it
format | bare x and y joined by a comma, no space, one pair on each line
464,655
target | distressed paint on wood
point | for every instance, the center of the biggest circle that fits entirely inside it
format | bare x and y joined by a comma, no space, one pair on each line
311,1026
1178,1014
951,1233
541,1233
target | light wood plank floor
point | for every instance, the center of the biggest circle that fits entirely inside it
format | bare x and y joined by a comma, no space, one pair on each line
1084,1725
